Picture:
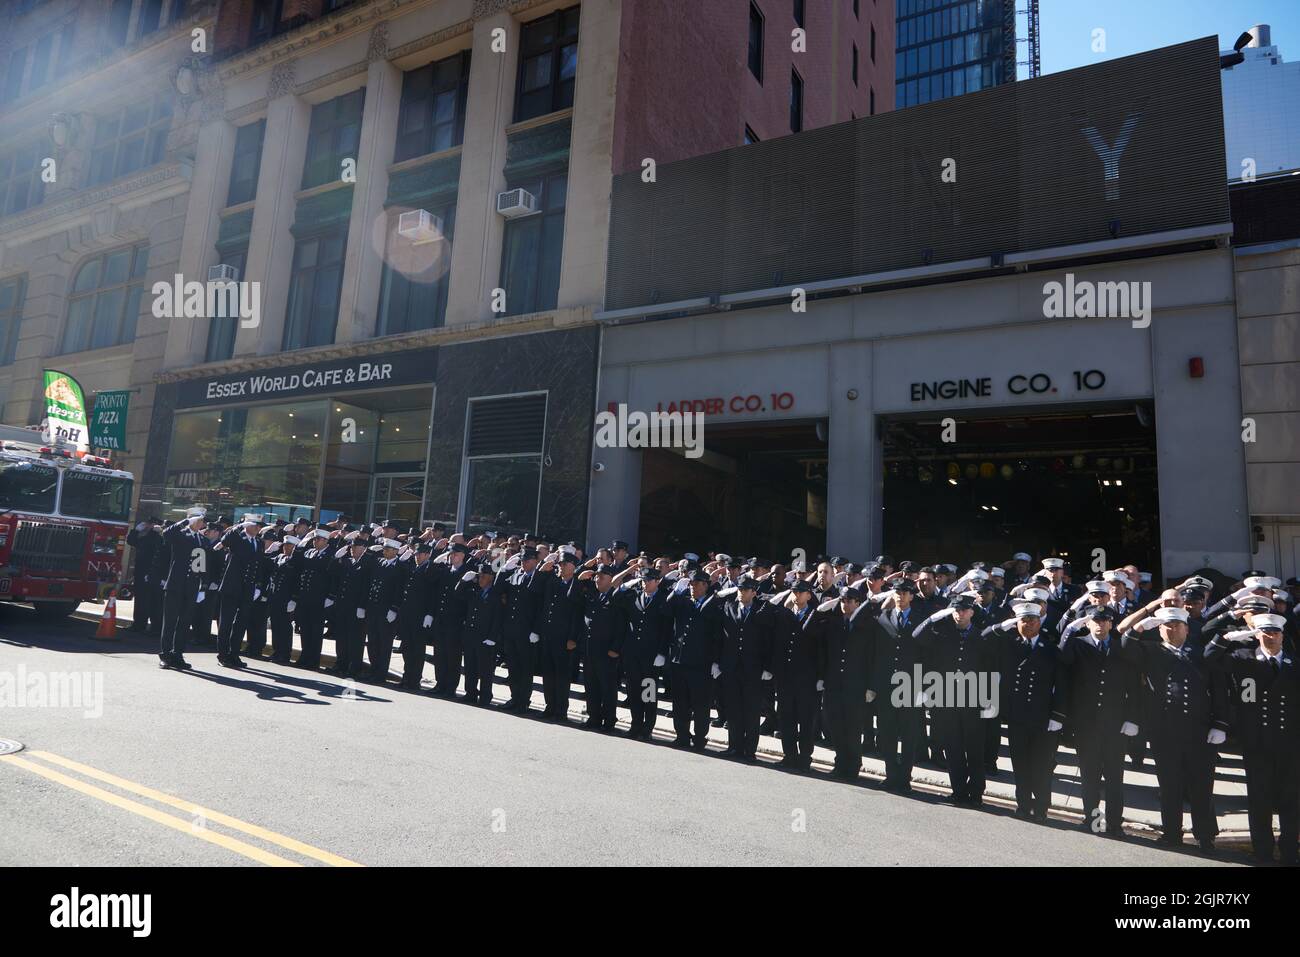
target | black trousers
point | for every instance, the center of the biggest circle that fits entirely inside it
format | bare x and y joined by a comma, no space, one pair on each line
410,626
258,613
898,735
692,699
178,607
311,628
843,709
642,695
1273,787
519,668
992,741
281,629
796,714
1033,759
1185,773
480,670
960,733
232,623
600,677
202,616
557,676
349,640
1101,759
743,694
380,633
447,653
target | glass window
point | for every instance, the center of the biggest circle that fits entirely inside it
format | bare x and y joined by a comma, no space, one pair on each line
548,64
265,20
799,12
14,73
333,137
413,290
796,101
28,486
21,185
131,139
432,112
314,290
150,17
105,300
12,292
91,495
223,327
501,493
246,163
756,42
119,20
530,259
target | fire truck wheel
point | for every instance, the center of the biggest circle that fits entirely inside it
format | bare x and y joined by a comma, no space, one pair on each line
54,609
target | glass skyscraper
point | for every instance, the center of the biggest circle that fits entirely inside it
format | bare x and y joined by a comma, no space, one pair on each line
950,47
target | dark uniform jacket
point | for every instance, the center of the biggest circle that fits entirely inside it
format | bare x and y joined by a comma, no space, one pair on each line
352,583
847,649
747,638
522,592
797,644
483,613
282,585
240,575
1031,676
1102,688
559,618
605,621
1186,700
384,593
181,543
146,545
649,626
896,652
416,598
946,650
1269,716
697,630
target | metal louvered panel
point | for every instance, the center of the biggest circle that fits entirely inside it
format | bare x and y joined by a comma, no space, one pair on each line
868,196
512,425
41,546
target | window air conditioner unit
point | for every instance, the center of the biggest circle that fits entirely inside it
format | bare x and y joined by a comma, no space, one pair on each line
419,226
223,273
514,203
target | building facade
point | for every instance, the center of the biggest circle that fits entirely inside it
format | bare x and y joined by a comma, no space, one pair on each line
99,148
883,355
1261,110
449,371
951,47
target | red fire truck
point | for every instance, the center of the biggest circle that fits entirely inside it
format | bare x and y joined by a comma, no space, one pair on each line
63,524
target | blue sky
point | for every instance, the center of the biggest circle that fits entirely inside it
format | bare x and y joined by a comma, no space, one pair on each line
1135,25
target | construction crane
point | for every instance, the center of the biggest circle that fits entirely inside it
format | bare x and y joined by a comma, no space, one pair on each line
1035,61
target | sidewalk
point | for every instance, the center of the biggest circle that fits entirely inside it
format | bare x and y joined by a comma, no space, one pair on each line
1142,811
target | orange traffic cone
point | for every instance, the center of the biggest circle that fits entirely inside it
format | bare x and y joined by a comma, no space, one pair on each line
108,623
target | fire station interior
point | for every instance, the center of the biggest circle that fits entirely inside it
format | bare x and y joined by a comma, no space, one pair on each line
1060,483
757,490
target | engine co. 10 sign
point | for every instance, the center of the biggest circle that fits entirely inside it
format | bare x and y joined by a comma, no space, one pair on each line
1037,383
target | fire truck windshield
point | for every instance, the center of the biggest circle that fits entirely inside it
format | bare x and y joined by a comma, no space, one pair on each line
92,495
28,486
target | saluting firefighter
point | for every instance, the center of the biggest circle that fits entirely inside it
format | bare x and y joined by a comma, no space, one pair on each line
693,652
1267,725
481,631
559,626
522,588
351,589
383,597
899,707
448,619
746,664
281,587
1103,712
796,669
145,541
645,647
206,611
950,645
182,589
268,547
606,630
313,598
1028,659
238,584
849,640
1186,717
415,615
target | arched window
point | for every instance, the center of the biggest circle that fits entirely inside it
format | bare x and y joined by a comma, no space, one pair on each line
105,299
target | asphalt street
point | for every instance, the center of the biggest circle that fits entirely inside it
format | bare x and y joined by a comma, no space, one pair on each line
274,765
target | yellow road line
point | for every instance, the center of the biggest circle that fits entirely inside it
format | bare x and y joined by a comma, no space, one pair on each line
271,837
153,814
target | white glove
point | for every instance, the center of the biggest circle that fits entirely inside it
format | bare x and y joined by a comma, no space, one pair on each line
1215,737
329,602
469,576
1079,602
392,617
1241,593
534,638
681,585
715,671
767,676
198,599
1053,725
821,685
1146,624
941,613
1008,625
871,696
659,661
490,644
361,613
290,606
257,593
1128,729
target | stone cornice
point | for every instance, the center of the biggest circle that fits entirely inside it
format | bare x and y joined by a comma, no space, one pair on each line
554,320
